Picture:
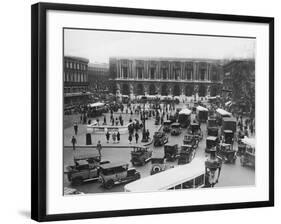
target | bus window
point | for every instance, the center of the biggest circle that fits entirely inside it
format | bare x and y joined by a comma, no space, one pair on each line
178,186
199,181
188,184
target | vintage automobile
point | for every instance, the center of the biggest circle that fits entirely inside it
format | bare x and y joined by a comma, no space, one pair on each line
176,129
82,171
190,140
117,173
229,123
226,153
140,155
212,127
158,164
171,151
195,130
228,136
167,126
247,157
159,138
90,155
202,113
211,141
187,153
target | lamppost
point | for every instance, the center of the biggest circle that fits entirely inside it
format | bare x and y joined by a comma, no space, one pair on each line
144,135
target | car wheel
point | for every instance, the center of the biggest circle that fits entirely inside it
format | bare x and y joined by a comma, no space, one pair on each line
109,184
77,181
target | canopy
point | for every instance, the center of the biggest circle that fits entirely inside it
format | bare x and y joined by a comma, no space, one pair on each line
185,111
168,178
98,104
249,141
223,112
200,108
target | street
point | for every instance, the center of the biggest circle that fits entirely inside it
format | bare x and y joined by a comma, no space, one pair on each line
231,174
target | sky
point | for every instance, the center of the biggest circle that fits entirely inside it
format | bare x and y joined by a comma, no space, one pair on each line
98,46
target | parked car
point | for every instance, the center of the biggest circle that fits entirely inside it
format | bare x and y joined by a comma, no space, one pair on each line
167,126
82,171
159,138
212,127
171,151
190,140
187,153
248,157
228,136
158,164
176,129
117,173
226,153
140,155
211,142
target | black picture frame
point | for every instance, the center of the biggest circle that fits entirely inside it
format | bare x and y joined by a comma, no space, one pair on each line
39,123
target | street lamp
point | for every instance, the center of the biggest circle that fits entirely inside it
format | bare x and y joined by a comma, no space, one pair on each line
144,135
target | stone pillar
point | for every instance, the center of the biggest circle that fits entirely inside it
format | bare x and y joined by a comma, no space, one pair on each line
195,92
208,91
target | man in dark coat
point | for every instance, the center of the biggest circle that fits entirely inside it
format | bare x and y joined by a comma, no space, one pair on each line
73,141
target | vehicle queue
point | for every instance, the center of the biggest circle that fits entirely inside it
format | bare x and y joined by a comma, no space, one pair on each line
221,134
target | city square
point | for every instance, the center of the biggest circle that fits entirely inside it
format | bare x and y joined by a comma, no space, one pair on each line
123,115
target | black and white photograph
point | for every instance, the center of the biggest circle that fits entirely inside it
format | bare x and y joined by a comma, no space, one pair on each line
152,111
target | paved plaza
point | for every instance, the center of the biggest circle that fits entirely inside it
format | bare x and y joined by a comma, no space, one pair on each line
231,174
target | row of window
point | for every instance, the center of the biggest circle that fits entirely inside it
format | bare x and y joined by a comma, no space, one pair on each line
165,74
75,89
75,77
75,65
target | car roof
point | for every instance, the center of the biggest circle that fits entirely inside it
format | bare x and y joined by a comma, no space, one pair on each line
82,162
112,165
228,131
229,119
170,144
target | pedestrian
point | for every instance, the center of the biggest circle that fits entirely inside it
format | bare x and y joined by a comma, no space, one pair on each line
122,122
81,118
137,137
116,121
107,135
104,120
73,141
118,137
130,138
75,128
98,122
99,147
114,137
131,112
147,133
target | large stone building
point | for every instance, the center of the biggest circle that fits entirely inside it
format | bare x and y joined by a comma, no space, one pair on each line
98,77
194,78
75,75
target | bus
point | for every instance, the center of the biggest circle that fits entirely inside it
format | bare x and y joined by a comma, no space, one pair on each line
220,113
184,117
191,175
202,113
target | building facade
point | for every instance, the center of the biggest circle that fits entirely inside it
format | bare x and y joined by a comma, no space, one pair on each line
98,77
75,75
166,76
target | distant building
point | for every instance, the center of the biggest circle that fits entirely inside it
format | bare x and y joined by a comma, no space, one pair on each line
76,83
166,76
98,77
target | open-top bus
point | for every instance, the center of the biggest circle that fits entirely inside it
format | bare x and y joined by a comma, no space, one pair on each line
191,175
